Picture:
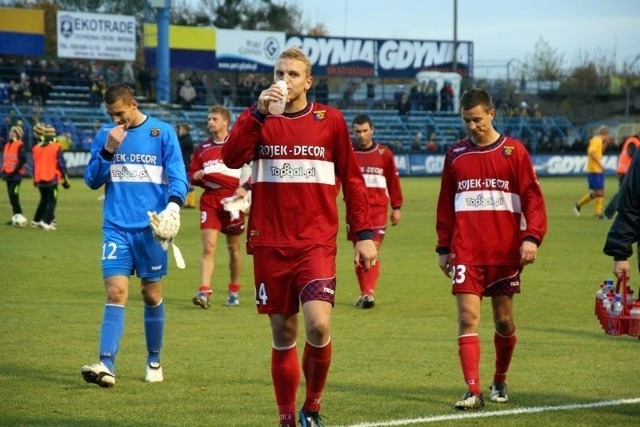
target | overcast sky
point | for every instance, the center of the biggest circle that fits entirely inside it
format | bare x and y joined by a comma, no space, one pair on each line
501,30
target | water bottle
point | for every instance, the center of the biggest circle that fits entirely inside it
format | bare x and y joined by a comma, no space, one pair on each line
617,307
277,107
613,321
630,297
634,320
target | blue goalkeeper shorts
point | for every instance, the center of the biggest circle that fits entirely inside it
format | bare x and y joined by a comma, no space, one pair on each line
125,252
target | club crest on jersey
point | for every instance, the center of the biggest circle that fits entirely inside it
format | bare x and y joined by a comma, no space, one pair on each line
154,132
381,151
508,150
320,114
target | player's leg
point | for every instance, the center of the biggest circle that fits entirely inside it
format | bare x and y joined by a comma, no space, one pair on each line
103,372
117,265
154,320
209,237
148,255
505,341
468,339
235,269
316,358
505,282
285,366
317,268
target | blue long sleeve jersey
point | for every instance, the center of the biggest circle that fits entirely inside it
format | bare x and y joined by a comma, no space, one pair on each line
144,174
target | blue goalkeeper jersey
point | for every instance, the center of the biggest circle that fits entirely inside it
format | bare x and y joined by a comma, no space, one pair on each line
143,173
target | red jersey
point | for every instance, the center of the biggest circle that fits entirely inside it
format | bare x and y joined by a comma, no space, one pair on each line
296,158
378,168
218,177
490,201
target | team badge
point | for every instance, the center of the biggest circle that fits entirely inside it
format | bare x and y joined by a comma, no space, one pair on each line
381,151
320,114
508,150
154,132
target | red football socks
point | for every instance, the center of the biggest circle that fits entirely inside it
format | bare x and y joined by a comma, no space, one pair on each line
469,352
315,365
504,351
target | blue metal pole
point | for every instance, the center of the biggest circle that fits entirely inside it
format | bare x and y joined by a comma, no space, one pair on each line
163,80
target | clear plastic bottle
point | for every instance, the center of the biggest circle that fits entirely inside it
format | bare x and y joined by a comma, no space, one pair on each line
634,320
617,307
277,107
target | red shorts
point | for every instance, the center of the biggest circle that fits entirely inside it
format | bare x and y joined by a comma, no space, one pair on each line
379,218
213,216
287,277
486,280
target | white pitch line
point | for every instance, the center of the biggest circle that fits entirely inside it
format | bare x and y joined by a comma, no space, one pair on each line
481,414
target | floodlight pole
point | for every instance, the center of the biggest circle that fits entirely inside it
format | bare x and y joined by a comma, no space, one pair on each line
455,36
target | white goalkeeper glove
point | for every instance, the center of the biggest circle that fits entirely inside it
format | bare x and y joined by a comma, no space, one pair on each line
165,226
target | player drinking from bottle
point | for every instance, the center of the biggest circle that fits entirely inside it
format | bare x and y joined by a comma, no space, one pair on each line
293,224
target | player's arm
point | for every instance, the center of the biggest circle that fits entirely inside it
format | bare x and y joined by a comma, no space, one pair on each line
243,138
99,168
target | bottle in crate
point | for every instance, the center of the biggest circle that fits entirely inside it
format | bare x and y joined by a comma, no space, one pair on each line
615,321
634,320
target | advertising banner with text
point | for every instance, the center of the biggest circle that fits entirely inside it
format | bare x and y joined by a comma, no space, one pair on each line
248,51
96,36
341,56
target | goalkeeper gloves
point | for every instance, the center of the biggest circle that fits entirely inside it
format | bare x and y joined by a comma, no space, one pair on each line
165,226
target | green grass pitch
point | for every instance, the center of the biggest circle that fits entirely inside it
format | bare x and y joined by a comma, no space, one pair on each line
396,362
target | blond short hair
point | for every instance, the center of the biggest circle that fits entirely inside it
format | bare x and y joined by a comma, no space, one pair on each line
297,54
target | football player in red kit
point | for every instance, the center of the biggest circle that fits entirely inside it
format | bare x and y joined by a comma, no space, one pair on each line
293,224
219,183
491,219
378,167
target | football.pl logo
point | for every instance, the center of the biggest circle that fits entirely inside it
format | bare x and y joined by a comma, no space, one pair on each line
286,171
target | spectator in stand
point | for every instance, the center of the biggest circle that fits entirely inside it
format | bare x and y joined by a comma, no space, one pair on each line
524,109
417,145
128,76
322,91
595,172
378,168
432,144
223,92
198,85
42,88
96,90
144,80
48,169
404,106
187,95
446,96
397,95
371,94
6,126
111,75
431,97
15,92
14,159
629,147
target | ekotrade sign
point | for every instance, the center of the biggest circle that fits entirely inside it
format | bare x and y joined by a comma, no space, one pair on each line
96,36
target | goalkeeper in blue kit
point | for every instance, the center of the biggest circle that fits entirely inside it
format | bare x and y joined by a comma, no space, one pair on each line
138,160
